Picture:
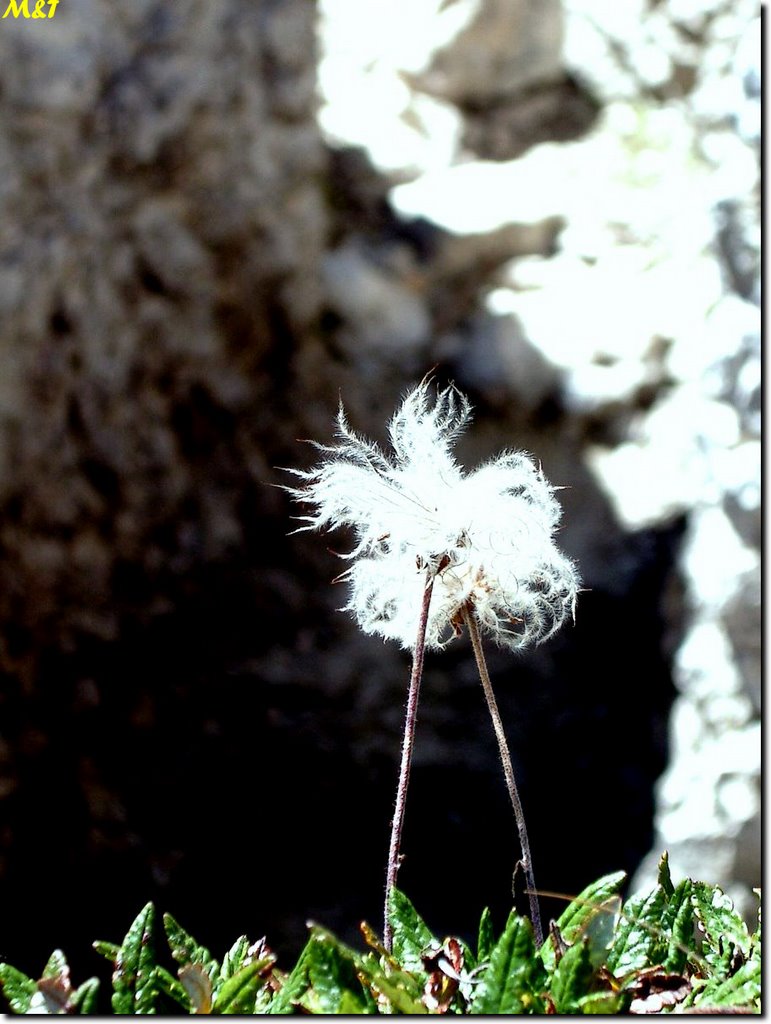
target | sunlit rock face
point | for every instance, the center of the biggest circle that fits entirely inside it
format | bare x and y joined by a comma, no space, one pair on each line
436,82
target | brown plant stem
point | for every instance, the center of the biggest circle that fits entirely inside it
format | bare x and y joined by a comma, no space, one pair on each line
407,744
473,630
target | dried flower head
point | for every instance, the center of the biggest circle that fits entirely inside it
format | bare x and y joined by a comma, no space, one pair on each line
484,537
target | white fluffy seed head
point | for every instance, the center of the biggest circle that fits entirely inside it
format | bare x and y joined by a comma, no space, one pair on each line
485,536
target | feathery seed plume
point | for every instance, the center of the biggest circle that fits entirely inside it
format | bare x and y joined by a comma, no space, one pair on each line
484,537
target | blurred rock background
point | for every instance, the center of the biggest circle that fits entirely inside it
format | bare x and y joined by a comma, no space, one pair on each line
217,217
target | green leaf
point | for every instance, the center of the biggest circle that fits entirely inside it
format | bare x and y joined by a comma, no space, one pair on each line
410,932
607,1003
485,938
57,966
241,953
334,977
514,977
581,910
172,988
83,999
234,959
664,878
724,931
741,989
186,950
403,991
638,933
18,989
400,991
677,926
756,937
351,1004
133,980
265,996
572,978
239,992
109,950
295,985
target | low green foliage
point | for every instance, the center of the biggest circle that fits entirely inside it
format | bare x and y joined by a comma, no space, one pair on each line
678,947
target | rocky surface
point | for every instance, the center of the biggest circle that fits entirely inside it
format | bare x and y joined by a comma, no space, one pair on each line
149,260
193,268
163,220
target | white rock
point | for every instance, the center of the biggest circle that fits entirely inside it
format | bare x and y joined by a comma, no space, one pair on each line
704,668
739,798
703,354
367,50
714,558
482,195
391,71
645,486
665,471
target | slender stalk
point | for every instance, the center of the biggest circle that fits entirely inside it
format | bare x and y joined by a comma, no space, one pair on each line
508,771
394,857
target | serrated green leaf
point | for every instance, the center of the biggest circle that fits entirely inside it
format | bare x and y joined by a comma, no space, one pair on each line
133,980
84,997
664,878
109,950
350,1004
723,930
233,960
572,978
186,950
238,993
581,910
264,997
57,966
485,936
399,991
333,972
677,925
18,989
411,934
402,990
638,933
607,1003
741,989
515,975
294,986
755,938
171,987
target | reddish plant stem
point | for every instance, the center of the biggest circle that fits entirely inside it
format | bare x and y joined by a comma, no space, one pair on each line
408,743
508,771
